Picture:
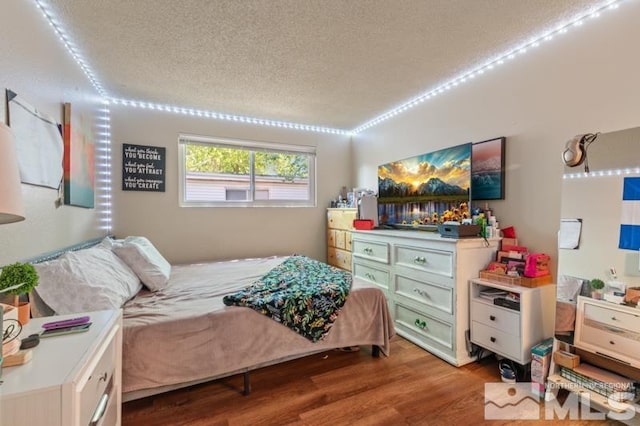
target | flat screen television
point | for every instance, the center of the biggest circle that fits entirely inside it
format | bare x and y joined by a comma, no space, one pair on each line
421,191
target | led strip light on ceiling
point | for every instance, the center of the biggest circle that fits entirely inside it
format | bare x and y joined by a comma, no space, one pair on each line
66,40
417,100
228,117
603,173
103,127
470,75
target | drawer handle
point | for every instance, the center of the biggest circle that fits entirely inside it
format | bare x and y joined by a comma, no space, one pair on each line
103,377
611,342
422,293
614,319
492,317
370,276
367,250
420,259
102,407
493,339
420,324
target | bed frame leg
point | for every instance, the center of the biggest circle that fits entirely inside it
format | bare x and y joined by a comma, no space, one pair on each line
247,385
375,351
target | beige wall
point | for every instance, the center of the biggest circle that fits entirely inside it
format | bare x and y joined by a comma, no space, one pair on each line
36,66
584,81
201,233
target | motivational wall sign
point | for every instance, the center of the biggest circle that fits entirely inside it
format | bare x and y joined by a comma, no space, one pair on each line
143,168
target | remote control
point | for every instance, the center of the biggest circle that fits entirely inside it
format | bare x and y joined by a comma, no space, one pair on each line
65,323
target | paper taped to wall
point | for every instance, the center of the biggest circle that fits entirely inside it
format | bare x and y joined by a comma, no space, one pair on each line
39,143
569,235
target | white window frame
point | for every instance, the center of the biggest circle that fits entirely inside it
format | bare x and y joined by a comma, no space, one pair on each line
185,139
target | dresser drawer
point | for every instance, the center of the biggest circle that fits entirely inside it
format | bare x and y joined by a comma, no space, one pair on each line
341,219
620,344
376,276
429,294
339,258
495,340
340,240
371,250
331,237
424,325
93,384
493,316
423,259
612,317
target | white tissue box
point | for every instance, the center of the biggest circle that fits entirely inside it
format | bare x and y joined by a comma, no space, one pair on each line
614,297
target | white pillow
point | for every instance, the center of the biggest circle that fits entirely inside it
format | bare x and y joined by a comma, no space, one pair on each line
87,280
109,242
145,260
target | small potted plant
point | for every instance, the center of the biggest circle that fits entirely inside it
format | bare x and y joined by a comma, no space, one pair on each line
596,288
17,279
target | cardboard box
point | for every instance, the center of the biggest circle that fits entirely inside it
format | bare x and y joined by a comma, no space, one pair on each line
540,360
509,241
632,295
566,359
521,281
452,230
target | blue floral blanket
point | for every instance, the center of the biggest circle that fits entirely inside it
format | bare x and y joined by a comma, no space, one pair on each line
301,293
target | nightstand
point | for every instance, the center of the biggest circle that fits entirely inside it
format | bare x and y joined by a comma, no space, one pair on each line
512,331
71,380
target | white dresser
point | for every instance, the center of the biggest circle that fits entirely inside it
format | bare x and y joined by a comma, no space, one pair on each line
426,280
512,332
607,336
71,380
608,329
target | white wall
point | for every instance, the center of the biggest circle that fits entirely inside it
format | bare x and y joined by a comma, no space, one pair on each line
201,233
35,65
583,81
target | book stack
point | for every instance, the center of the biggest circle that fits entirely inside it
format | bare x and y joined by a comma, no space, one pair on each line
508,302
492,293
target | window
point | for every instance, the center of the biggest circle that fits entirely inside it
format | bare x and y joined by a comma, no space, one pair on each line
227,172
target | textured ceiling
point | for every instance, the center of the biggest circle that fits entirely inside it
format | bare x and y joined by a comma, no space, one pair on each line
334,63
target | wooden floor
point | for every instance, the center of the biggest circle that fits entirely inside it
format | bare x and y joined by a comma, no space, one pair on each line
411,387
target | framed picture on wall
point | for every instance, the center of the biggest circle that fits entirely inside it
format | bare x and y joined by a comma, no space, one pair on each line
79,157
487,169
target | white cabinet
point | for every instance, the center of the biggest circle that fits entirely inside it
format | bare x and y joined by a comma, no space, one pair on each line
607,336
512,331
425,278
71,380
608,329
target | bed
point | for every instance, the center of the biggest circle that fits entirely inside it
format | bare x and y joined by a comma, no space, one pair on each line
181,332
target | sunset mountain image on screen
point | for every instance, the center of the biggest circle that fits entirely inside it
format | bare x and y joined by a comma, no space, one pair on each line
423,190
